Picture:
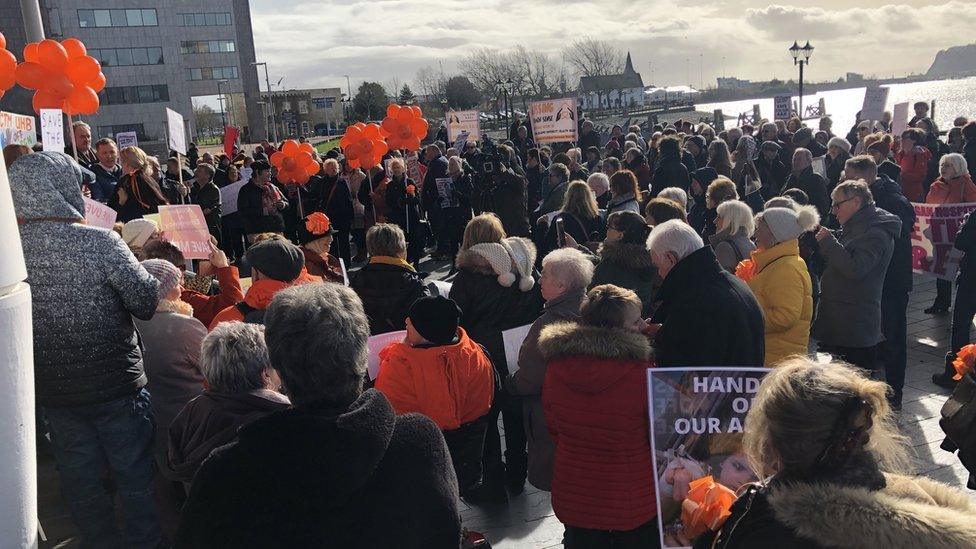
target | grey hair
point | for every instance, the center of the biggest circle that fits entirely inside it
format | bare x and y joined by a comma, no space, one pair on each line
855,189
677,194
570,266
957,161
804,153
385,239
676,237
839,142
767,125
737,216
80,124
234,357
316,336
207,168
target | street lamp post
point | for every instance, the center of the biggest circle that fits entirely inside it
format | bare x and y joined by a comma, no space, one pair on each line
267,81
220,98
797,52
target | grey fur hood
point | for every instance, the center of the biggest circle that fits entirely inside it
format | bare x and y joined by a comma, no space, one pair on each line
626,255
575,339
46,185
909,513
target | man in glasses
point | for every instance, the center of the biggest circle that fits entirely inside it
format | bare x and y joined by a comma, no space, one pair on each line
848,324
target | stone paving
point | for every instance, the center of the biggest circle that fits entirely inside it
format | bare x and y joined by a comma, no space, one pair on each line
527,521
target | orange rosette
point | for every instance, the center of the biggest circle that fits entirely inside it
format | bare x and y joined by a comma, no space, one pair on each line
745,270
63,74
965,361
405,127
707,507
318,223
295,162
363,145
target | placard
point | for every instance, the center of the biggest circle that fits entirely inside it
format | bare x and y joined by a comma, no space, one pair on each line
819,166
377,343
875,100
781,107
126,139
52,130
460,141
176,133
413,168
697,420
553,120
463,121
17,129
933,238
231,133
445,192
185,227
512,340
245,173
899,118
98,214
228,197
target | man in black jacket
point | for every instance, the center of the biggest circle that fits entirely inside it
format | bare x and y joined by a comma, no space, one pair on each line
588,136
669,171
893,351
806,180
706,316
804,138
330,195
260,203
81,132
772,171
205,194
339,468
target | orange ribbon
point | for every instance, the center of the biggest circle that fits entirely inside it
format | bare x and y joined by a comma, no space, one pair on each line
707,506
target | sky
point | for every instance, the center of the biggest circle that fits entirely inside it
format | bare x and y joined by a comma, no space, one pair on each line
315,43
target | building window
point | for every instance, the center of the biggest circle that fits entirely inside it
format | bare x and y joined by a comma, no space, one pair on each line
303,107
117,18
122,57
110,131
212,73
208,46
130,95
304,128
204,19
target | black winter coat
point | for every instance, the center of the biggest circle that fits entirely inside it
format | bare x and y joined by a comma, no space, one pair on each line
773,176
331,197
505,196
966,241
312,476
709,317
816,188
670,172
387,292
891,170
403,210
628,266
888,197
251,207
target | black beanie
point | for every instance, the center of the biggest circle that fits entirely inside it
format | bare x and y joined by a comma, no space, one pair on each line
435,318
277,259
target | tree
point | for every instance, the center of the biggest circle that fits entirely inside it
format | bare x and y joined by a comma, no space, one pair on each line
207,120
461,93
406,95
592,57
370,102
430,82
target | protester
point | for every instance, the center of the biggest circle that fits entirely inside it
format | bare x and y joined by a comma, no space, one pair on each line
668,170
803,138
600,185
207,196
913,158
745,175
779,279
733,241
82,139
107,171
964,308
504,194
625,193
720,190
838,152
731,332
969,147
588,137
88,363
316,233
813,184
659,210
954,186
636,163
389,479
698,214
136,194
596,407
676,194
578,216
457,395
624,260
848,322
455,205
772,171
332,197
260,203
719,158
139,232
879,148
387,285
555,190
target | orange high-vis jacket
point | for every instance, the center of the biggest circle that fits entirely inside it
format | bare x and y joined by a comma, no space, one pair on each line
451,384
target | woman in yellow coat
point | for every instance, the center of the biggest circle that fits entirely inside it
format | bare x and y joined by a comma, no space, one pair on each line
779,279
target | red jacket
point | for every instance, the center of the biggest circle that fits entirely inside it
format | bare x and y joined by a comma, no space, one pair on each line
206,307
595,401
258,296
914,169
957,191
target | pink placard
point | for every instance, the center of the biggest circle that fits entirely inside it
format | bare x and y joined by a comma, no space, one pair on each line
186,228
99,215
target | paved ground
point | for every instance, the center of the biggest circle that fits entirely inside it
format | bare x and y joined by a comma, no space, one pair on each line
528,520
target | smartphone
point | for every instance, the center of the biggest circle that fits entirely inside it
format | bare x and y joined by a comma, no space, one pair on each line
560,233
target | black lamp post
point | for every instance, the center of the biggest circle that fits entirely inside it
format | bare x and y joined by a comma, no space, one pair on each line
801,57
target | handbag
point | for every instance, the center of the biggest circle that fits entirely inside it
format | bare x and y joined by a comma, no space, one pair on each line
958,422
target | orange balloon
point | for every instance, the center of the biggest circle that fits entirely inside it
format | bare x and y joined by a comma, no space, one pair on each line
82,70
8,70
83,100
44,99
61,86
3,41
416,110
74,47
290,147
97,83
276,158
391,110
307,147
30,52
32,75
52,55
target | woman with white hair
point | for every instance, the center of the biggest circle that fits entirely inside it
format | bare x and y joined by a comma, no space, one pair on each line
732,241
677,194
566,273
838,152
600,185
778,277
825,434
953,186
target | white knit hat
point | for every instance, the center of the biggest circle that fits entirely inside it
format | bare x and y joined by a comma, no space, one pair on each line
135,233
523,258
498,257
786,224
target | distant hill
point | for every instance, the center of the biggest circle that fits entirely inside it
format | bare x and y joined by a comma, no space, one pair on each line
955,61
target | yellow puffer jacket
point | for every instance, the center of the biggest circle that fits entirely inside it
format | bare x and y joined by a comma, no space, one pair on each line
782,286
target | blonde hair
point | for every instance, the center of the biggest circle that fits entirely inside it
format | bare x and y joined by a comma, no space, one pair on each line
486,227
579,200
737,216
794,417
135,158
454,166
607,306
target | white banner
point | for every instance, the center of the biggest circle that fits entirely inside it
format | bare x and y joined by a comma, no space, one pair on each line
52,130
781,107
554,120
175,130
377,343
934,238
463,121
126,139
228,197
98,214
899,119
875,100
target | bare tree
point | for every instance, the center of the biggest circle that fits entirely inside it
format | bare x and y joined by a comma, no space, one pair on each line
430,83
540,73
592,57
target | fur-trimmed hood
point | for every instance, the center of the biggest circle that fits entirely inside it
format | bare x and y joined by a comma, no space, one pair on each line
626,255
909,513
591,358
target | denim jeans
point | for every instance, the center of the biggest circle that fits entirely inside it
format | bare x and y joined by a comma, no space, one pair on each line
120,434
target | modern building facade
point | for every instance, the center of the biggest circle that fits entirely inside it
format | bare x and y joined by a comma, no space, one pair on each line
154,55
301,113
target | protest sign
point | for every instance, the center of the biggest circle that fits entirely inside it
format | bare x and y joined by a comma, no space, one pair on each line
445,191
819,166
246,283
875,100
17,129
462,138
414,168
781,107
52,130
697,420
463,121
245,173
345,273
899,118
934,235
126,139
376,344
176,134
231,133
228,197
185,227
512,340
553,120
98,214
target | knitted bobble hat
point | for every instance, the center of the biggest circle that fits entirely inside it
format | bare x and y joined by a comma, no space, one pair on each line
499,259
523,257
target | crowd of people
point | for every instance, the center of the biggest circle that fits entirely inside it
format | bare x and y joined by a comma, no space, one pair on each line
220,414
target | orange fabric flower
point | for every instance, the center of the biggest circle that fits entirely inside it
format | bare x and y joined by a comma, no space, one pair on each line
317,223
411,190
965,361
745,270
707,506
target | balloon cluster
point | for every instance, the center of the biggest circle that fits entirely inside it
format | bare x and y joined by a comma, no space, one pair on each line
295,162
405,127
63,74
364,145
8,65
